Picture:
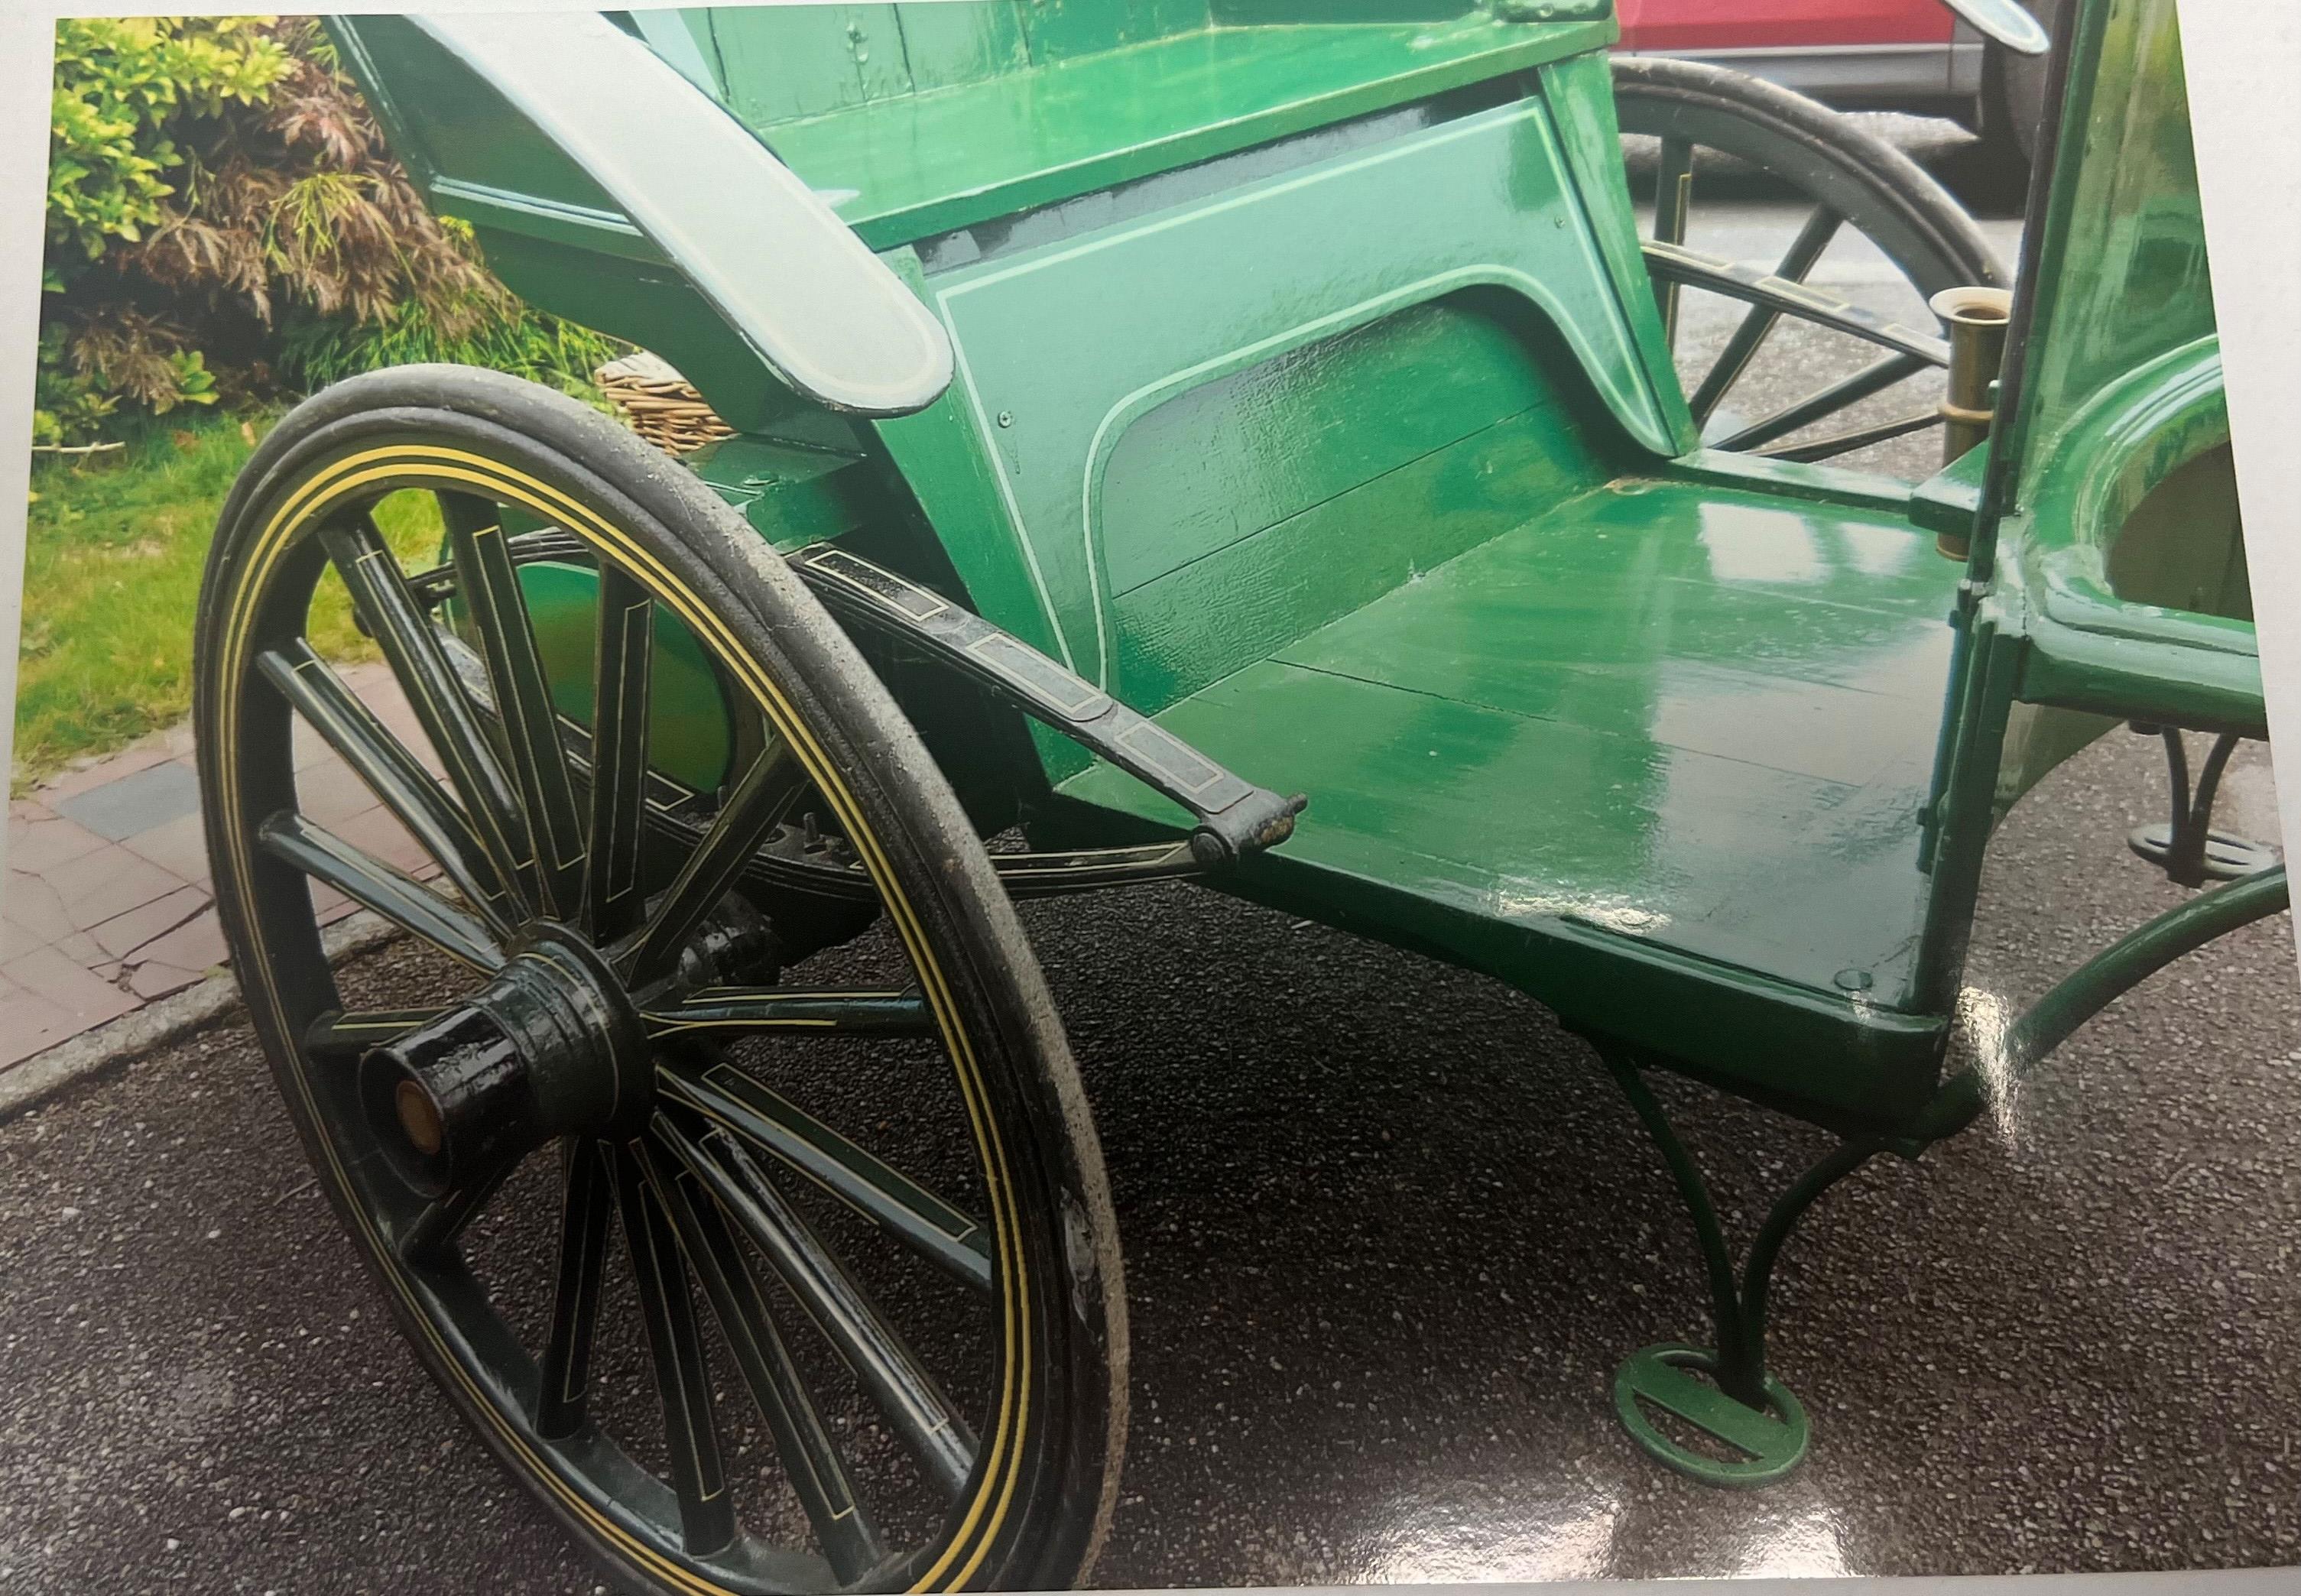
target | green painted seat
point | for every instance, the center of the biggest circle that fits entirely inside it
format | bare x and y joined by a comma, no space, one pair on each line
920,119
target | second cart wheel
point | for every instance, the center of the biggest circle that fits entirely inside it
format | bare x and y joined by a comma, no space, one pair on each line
2014,90
1849,184
758,1279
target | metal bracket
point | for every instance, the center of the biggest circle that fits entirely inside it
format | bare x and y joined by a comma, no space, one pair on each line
1756,1430
2186,847
1234,816
2092,987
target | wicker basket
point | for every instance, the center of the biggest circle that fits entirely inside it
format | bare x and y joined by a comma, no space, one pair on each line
658,403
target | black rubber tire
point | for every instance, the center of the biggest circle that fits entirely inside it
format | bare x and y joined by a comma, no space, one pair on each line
2013,94
1040,1508
1878,189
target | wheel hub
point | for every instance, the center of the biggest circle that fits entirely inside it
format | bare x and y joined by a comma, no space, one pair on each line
552,1046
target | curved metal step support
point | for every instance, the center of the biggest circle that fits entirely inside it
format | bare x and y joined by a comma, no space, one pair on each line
1757,1430
2186,847
2092,987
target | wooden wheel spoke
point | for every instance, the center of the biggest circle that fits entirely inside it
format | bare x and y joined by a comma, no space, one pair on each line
1673,200
345,1035
586,1209
914,1406
1821,228
487,583
1870,379
614,898
391,772
402,630
753,809
706,1514
430,1238
1857,438
819,1476
738,1010
884,1327
375,885
938,1231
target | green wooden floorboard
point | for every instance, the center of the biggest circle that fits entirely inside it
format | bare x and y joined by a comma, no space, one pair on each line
1697,717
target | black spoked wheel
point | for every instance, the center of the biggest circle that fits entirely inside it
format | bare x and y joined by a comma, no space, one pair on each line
760,1279
1803,392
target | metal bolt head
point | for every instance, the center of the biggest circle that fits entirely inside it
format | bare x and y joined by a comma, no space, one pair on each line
1854,981
1006,418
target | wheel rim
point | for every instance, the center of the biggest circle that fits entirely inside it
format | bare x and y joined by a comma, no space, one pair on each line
1922,236
598,1020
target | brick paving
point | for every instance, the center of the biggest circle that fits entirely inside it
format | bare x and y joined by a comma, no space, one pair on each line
107,905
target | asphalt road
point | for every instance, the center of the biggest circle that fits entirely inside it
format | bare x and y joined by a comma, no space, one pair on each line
1388,1232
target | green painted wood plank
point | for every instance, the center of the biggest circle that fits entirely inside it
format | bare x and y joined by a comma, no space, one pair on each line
1062,350
1252,598
1814,644
951,43
1228,460
790,60
1064,29
1526,820
930,163
1688,716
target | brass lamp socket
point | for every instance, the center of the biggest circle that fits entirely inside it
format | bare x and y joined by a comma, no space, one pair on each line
1978,318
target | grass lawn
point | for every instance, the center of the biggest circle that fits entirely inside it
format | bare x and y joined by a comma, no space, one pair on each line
112,579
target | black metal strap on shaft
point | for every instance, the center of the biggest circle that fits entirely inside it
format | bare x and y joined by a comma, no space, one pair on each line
1234,816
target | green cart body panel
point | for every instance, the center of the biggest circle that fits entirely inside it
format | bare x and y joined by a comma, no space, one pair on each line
2107,578
1658,750
2116,529
1065,350
1311,397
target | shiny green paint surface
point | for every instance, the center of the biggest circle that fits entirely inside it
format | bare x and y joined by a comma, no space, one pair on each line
1066,349
2123,276
688,725
794,495
2064,630
919,119
2069,581
1579,90
1362,465
942,116
1367,495
1696,721
2118,567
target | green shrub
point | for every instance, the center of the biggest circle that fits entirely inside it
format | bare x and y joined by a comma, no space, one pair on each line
120,86
226,223
66,407
526,343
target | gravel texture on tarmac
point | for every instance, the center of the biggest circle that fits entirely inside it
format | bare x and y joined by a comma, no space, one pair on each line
1388,1232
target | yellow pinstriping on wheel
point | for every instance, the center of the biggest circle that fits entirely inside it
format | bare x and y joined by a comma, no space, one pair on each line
413,464
341,480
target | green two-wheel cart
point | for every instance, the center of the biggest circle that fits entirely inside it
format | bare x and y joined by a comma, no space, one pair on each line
1144,417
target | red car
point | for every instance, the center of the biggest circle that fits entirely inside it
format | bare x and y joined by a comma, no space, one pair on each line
1917,55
